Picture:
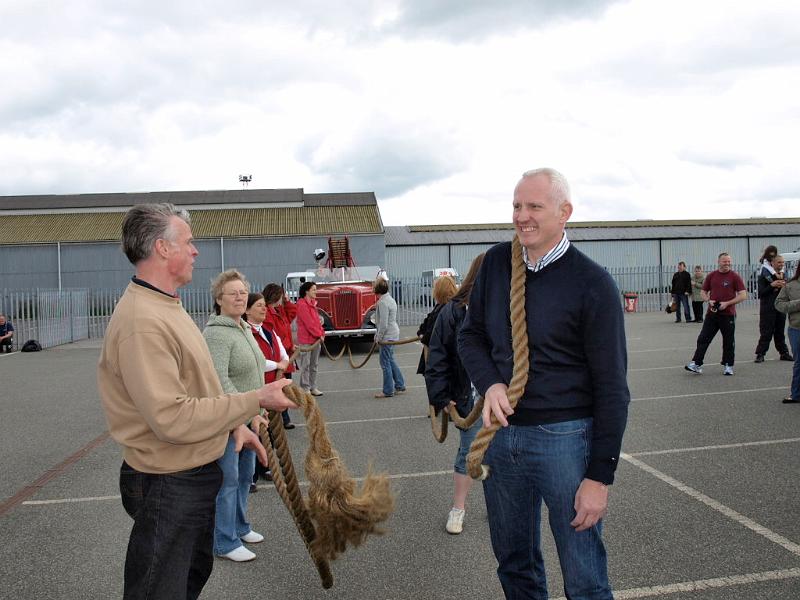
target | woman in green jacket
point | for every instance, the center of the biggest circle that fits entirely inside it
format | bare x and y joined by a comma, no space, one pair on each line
240,366
788,302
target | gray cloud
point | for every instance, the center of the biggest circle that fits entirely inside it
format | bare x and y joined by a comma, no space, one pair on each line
467,20
388,157
717,158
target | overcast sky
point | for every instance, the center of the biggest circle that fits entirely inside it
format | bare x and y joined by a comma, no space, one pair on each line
652,109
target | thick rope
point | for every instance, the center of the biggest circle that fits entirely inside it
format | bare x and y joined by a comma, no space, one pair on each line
336,513
439,422
519,377
331,356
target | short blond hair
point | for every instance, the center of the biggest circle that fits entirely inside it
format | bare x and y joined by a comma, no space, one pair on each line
444,288
218,283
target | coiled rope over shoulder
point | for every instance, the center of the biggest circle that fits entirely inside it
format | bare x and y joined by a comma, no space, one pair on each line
336,513
519,377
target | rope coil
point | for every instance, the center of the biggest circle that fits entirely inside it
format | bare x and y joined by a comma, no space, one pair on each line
519,377
336,513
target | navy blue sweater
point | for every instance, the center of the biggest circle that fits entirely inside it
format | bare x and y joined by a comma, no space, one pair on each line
578,360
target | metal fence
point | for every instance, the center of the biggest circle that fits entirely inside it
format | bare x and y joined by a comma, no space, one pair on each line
54,317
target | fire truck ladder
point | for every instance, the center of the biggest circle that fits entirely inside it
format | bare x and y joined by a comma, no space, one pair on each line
339,253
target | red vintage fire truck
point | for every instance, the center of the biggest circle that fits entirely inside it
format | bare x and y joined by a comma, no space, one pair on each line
345,296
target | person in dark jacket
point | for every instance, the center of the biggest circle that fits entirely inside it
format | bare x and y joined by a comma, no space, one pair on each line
444,288
681,292
771,323
449,387
560,445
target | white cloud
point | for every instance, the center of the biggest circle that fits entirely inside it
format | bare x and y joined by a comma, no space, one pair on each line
652,110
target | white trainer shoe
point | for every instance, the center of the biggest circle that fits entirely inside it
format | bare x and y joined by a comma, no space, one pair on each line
455,521
694,368
240,554
252,537
728,370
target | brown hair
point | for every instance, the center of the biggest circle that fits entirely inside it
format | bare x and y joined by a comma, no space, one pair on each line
444,288
272,293
381,286
462,296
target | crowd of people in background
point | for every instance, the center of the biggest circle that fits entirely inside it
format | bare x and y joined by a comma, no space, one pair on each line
722,289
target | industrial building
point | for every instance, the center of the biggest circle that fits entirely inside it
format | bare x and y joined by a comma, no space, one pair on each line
72,241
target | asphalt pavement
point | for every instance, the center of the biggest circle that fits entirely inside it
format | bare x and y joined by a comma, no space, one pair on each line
705,505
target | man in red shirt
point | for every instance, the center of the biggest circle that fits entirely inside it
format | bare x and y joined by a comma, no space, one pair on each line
723,289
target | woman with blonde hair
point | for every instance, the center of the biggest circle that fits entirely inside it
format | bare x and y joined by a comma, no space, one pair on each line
444,288
449,387
240,365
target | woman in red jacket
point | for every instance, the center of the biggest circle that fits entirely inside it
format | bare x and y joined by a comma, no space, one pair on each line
309,330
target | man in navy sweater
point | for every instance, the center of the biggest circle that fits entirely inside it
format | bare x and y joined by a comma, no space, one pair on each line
561,443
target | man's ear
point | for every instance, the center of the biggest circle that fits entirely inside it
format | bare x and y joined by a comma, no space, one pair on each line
566,212
162,248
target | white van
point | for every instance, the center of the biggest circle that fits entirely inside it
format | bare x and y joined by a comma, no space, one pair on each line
426,283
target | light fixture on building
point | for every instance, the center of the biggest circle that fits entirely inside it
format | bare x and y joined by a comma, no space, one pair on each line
245,180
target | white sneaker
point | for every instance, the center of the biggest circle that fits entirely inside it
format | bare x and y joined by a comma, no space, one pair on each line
455,521
315,392
695,368
240,554
251,537
728,370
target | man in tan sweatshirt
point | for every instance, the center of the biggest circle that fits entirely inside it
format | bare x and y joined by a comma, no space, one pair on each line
165,406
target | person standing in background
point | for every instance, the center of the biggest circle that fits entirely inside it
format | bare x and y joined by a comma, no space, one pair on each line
387,330
788,303
697,293
771,322
309,330
681,290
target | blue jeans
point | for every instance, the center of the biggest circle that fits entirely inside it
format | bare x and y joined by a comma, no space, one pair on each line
467,436
530,465
169,550
682,300
392,377
231,520
794,342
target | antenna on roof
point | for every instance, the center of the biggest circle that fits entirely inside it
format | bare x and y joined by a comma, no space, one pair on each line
245,180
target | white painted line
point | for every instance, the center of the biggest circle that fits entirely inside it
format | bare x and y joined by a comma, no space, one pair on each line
705,584
375,388
715,447
767,389
263,486
717,506
69,500
362,369
369,420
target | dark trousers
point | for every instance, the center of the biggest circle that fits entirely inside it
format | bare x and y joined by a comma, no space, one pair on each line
7,344
697,308
771,325
170,549
683,301
726,325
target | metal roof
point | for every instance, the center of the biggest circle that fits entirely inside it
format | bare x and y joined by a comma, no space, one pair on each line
414,235
53,202
239,222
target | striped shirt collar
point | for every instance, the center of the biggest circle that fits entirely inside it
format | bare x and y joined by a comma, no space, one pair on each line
552,256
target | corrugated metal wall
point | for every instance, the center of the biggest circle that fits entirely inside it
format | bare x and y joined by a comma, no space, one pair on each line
104,266
622,253
784,244
703,251
464,255
411,261
24,267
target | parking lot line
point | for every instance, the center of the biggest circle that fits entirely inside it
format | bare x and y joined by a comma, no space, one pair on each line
766,389
704,584
715,447
715,505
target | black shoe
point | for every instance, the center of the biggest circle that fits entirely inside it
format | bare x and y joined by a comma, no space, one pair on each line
253,488
289,426
267,476
789,400
677,320
759,358
787,356
698,320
